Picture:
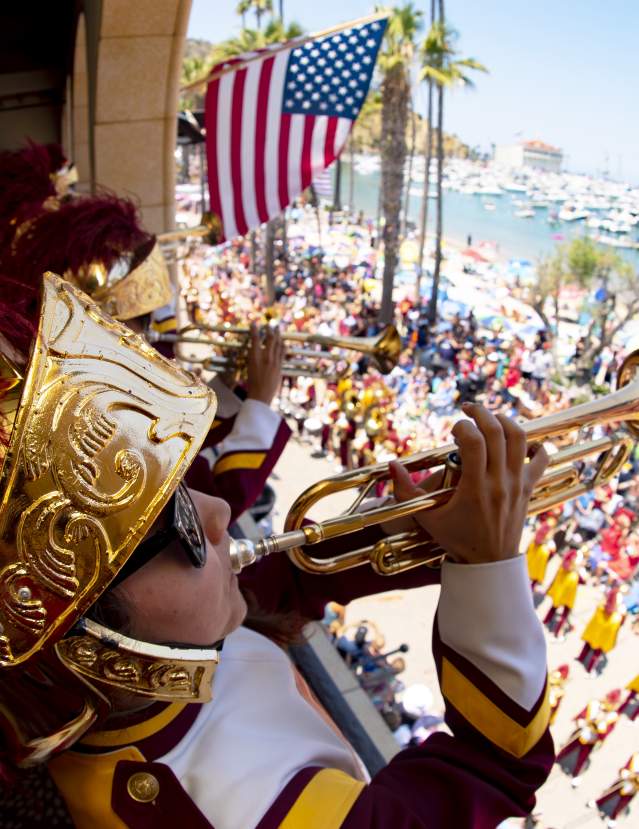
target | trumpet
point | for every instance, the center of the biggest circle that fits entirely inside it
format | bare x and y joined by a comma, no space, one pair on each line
383,350
209,231
568,476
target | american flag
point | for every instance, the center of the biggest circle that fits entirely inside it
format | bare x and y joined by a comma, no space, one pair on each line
276,119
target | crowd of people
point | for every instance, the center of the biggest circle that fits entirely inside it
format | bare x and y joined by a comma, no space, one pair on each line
365,416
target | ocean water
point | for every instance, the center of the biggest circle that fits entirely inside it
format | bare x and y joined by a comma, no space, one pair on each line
465,215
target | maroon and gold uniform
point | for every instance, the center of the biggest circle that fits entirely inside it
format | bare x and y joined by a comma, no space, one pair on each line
234,762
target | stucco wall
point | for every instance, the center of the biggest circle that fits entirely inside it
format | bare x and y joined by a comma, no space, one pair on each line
125,105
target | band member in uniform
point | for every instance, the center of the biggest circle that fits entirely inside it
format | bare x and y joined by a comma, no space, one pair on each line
619,796
630,706
99,243
600,635
592,725
117,592
557,681
562,593
539,552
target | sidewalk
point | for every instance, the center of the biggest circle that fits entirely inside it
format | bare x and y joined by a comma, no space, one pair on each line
406,616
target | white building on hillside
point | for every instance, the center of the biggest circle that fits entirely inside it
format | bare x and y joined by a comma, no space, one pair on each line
529,154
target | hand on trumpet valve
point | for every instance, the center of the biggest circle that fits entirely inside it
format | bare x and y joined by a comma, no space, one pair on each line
484,518
264,364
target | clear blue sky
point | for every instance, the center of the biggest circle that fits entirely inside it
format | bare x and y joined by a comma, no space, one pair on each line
564,71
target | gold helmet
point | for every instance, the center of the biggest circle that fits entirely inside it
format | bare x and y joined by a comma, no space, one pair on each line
98,430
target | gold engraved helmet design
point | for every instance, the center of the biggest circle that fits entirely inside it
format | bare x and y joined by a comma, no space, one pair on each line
101,429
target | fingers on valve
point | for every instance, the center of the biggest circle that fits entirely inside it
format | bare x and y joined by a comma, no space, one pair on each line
516,445
494,437
472,450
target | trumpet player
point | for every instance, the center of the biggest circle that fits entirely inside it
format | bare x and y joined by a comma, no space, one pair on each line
118,593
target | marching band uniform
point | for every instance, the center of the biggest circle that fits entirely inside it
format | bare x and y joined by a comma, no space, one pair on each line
593,724
243,445
102,430
306,774
619,796
601,632
630,706
562,592
557,681
538,554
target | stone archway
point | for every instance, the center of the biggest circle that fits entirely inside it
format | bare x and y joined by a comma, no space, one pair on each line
124,99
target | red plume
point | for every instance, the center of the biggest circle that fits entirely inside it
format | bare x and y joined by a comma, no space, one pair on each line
26,182
83,230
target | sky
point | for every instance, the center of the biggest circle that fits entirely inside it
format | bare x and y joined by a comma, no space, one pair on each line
563,71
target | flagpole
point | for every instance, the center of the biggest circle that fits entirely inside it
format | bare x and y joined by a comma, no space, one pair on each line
288,44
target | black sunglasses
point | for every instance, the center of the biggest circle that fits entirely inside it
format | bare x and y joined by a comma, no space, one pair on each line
184,526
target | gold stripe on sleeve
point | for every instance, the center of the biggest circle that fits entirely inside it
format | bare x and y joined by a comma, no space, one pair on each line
490,720
239,460
325,802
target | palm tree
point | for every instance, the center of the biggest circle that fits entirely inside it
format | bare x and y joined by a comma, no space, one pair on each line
242,8
444,69
394,62
428,154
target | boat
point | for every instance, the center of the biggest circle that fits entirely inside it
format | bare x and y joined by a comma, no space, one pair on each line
490,206
616,242
525,213
572,213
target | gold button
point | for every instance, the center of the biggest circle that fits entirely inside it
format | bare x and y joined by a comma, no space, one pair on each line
143,787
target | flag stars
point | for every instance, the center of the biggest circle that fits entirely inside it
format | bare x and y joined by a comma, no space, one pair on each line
363,76
371,43
308,87
323,105
360,50
315,96
339,64
339,107
299,95
311,70
306,104
357,66
301,77
350,100
352,83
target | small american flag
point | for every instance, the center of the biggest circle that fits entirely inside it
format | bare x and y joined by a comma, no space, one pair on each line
276,119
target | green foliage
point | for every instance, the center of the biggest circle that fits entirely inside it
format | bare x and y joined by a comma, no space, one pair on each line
249,40
398,47
440,61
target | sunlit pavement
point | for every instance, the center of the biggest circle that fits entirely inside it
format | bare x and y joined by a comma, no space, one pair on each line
406,616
